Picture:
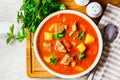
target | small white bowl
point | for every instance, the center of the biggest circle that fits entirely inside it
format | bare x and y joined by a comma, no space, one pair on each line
99,38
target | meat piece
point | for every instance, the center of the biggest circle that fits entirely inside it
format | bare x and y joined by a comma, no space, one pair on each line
59,47
59,27
67,44
66,60
47,46
74,28
75,35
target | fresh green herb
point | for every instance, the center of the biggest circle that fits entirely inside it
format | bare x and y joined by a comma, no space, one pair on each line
32,12
21,37
59,35
12,29
81,35
81,56
10,34
62,7
53,59
35,11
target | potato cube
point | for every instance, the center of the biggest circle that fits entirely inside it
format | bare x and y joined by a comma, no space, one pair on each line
47,59
79,68
81,47
73,43
89,39
51,27
48,36
73,64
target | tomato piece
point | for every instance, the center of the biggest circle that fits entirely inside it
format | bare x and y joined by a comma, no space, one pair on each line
67,45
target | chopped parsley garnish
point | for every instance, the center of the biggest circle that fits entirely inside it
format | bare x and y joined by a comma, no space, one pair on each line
81,35
81,56
53,59
59,35
10,34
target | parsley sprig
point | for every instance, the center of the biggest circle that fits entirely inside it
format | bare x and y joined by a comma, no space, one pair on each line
10,34
31,13
81,35
81,56
53,59
57,35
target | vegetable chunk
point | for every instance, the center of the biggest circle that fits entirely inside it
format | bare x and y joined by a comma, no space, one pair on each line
73,43
47,59
89,39
67,45
51,27
81,47
78,68
73,64
48,36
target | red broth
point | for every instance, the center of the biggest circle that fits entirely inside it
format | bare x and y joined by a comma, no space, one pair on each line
91,49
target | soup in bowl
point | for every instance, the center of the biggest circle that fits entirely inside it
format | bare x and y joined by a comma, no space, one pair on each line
68,44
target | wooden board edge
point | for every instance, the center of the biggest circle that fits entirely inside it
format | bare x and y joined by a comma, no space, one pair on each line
44,75
28,57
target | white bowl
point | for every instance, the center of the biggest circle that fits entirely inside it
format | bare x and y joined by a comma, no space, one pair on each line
99,38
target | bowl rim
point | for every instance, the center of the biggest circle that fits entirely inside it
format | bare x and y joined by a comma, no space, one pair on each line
99,38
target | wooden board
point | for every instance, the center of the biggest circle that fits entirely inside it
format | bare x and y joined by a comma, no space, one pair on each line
34,69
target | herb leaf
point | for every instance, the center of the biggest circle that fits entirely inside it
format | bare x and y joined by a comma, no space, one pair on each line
81,35
8,39
10,34
19,34
59,35
81,56
53,59
62,7
21,37
12,28
32,12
